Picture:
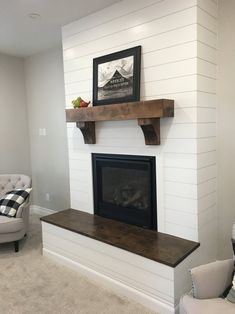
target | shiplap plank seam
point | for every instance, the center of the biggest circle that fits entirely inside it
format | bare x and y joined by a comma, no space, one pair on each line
211,15
124,29
107,21
134,41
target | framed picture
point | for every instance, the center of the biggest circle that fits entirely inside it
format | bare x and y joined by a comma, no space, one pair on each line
116,77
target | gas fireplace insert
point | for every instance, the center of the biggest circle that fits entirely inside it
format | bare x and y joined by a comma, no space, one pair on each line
125,188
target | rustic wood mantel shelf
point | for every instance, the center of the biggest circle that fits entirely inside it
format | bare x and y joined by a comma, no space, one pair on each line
147,113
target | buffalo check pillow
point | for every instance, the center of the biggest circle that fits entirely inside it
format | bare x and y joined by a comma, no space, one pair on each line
11,201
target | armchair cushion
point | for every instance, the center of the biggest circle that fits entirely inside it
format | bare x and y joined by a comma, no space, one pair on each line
9,225
10,203
190,305
211,280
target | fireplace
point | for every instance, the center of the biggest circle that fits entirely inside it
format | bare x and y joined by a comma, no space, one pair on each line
125,188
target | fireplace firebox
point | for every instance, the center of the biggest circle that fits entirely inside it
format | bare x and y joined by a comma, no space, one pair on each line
125,188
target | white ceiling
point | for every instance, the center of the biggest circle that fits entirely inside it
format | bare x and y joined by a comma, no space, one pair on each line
23,36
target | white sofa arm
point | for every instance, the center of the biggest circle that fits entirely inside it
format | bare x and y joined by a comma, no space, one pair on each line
23,212
20,211
211,280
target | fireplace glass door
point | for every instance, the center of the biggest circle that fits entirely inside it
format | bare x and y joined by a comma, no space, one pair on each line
125,188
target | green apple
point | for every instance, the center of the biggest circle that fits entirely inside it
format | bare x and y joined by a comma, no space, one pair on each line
76,102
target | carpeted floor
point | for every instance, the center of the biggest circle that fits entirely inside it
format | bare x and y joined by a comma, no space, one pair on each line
31,283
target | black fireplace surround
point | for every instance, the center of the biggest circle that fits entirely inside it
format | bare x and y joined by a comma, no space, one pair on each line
125,188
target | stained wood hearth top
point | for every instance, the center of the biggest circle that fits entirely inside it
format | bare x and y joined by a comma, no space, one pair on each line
159,247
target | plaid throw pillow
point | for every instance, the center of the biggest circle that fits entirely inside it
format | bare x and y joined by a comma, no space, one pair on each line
10,203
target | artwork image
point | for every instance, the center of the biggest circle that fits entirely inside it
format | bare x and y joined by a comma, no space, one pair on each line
116,77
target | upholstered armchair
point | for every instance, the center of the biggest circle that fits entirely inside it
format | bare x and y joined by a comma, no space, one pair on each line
13,229
209,283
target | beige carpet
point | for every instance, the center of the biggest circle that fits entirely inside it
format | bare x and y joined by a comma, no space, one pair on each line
31,283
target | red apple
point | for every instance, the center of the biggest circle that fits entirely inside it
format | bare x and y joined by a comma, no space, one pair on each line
84,103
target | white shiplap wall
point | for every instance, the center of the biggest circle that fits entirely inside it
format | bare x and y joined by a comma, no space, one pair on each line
206,117
178,40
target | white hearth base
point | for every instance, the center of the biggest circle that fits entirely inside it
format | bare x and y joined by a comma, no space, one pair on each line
152,284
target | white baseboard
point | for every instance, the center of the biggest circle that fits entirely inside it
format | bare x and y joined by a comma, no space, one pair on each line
41,210
114,285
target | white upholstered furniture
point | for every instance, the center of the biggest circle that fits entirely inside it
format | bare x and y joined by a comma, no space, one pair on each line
209,282
14,229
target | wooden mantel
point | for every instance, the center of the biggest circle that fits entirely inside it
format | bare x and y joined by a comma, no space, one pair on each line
147,113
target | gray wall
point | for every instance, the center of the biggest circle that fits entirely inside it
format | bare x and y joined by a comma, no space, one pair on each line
226,125
14,139
49,154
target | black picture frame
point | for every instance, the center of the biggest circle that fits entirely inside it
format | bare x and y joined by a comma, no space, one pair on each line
116,77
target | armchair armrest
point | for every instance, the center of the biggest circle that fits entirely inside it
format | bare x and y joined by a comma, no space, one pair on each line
211,280
21,209
23,212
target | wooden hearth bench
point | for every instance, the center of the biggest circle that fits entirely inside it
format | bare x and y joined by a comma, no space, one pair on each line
156,246
144,265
